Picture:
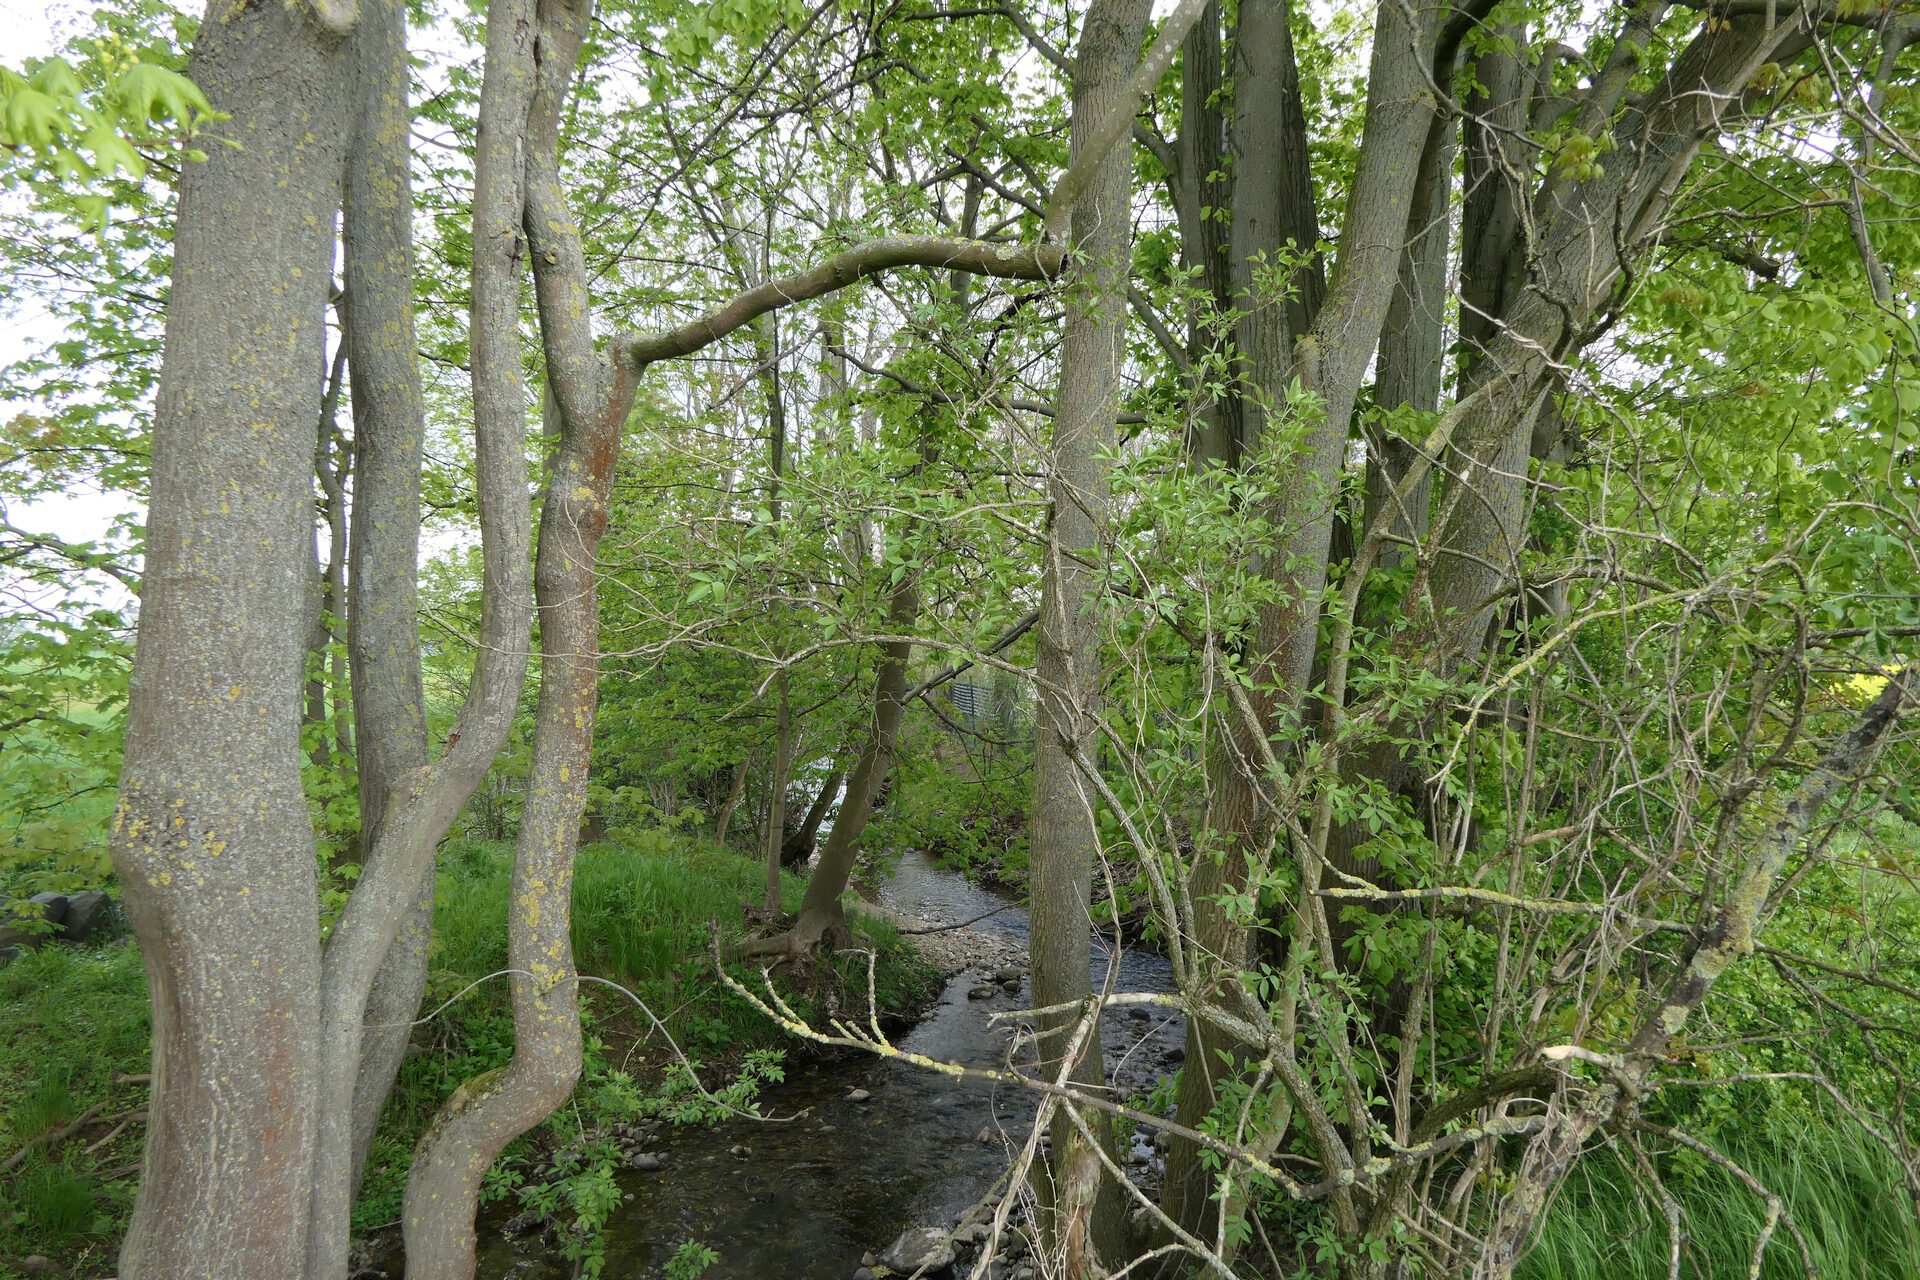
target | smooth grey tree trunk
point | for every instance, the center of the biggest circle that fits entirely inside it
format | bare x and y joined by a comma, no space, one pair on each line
212,842
1081,1214
383,628
1329,358
593,401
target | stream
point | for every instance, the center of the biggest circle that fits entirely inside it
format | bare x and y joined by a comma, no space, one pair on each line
815,1193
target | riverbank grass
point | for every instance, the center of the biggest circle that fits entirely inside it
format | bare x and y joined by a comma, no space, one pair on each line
77,1029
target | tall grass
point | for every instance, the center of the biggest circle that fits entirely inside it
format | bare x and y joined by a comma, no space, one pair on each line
1842,1189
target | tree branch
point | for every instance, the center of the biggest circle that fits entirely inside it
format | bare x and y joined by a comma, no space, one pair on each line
950,253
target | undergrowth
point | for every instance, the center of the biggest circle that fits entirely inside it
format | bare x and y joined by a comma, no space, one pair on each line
1841,1189
77,1026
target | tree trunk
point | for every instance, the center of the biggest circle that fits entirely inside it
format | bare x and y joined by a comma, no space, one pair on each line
327,572
212,841
1080,1210
822,920
1329,360
383,628
731,803
800,845
776,832
593,402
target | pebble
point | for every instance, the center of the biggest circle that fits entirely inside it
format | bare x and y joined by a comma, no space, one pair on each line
1008,974
864,1273
739,1152
646,1162
869,1259
858,1095
981,992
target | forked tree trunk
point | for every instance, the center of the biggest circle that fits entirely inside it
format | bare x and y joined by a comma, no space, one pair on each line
212,842
799,846
1328,359
593,401
1080,1210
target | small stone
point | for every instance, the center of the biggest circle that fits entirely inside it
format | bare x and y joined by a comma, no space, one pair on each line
1008,973
981,992
1176,1054
864,1273
1139,1015
740,1152
1137,1157
868,1259
985,1137
858,1095
918,1248
646,1162
1011,988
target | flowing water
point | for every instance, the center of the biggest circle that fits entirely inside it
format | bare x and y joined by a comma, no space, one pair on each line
839,1177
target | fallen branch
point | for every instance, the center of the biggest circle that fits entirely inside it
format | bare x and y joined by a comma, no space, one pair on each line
52,1137
942,928
125,1118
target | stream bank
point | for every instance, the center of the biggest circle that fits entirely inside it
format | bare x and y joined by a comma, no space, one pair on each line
858,1149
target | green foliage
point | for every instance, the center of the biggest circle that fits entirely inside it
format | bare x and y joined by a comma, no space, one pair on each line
962,794
1833,1180
76,1021
690,1261
87,122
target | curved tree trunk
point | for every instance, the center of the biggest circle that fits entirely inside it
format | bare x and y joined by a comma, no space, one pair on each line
383,629
593,401
212,841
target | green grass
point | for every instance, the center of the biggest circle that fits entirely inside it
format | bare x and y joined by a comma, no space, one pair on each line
1842,1189
76,1018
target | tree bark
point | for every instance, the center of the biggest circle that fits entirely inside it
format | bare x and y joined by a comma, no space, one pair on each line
732,802
822,920
800,846
1329,360
1080,1211
389,415
593,398
212,841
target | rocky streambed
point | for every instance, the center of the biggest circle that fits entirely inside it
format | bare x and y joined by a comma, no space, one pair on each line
868,1164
